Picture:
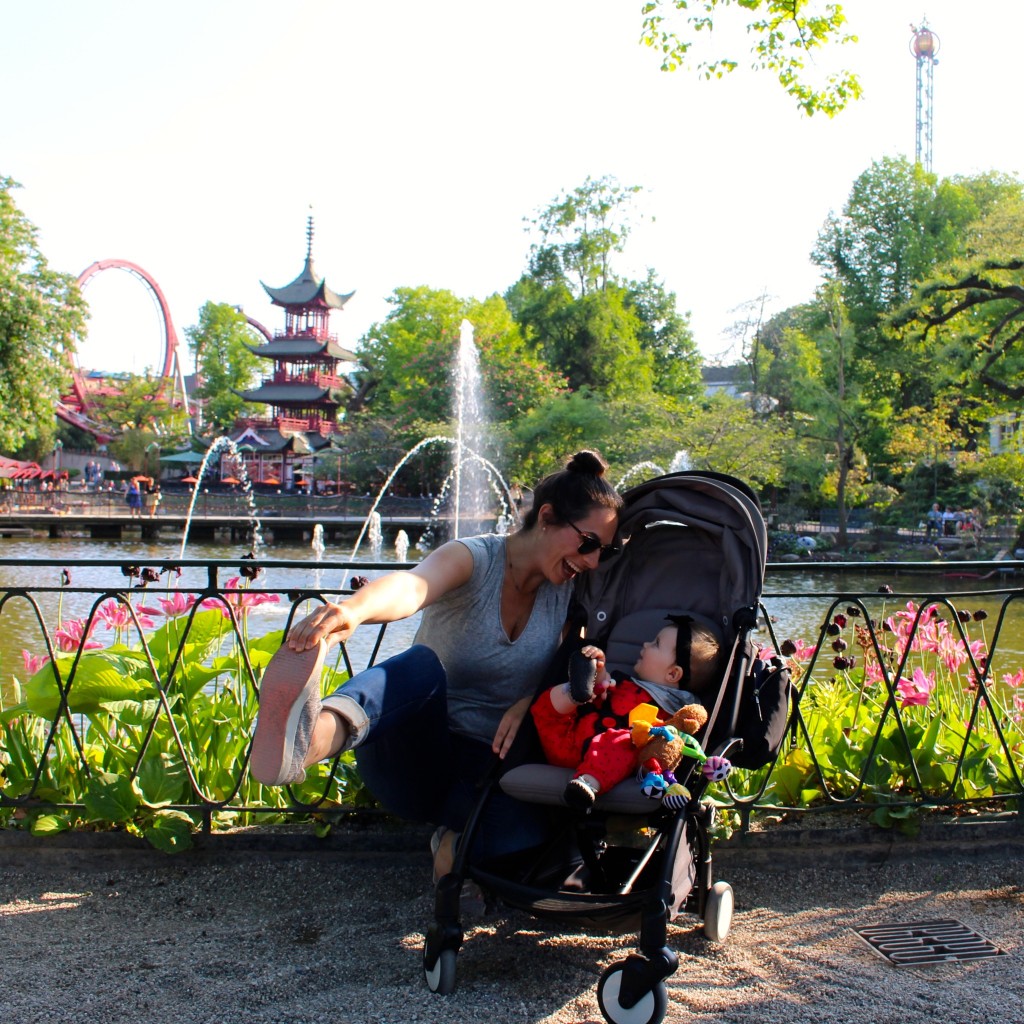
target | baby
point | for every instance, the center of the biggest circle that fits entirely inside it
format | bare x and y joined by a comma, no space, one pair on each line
584,723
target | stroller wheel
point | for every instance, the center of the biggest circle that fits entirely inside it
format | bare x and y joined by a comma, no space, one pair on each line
718,911
441,977
650,1009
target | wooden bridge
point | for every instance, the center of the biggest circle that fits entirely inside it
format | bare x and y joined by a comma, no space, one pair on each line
212,526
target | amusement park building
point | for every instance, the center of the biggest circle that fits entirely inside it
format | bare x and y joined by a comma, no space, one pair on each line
306,388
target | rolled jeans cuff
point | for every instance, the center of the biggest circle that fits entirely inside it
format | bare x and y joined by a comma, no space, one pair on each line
352,713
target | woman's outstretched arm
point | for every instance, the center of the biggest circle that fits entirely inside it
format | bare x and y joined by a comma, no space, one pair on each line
387,598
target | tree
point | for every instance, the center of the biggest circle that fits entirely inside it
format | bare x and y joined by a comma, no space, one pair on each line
140,404
410,358
809,362
407,373
898,222
225,364
41,313
618,338
784,36
724,435
898,225
562,425
664,333
971,311
579,231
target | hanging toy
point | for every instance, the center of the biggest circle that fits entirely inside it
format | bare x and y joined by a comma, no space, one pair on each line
717,768
663,745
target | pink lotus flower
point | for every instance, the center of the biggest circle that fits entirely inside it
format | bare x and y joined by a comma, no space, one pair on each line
950,650
178,604
796,650
917,689
34,662
240,599
873,674
117,615
72,636
1015,680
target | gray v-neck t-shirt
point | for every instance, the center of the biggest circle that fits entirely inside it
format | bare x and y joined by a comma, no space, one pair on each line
487,673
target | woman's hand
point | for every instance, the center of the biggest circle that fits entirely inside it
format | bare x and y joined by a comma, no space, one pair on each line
331,622
509,726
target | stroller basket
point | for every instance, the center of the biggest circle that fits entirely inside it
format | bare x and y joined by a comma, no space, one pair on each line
587,909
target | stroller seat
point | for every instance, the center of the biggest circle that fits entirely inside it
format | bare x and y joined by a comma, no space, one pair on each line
545,784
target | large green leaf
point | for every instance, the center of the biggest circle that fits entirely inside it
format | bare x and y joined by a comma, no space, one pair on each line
262,649
50,824
160,781
194,668
110,798
206,629
192,676
170,832
100,677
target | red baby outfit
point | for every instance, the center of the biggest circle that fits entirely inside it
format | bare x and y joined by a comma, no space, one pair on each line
594,740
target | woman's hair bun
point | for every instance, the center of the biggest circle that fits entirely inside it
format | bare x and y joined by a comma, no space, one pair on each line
588,462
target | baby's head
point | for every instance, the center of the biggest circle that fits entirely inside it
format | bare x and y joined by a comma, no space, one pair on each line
683,655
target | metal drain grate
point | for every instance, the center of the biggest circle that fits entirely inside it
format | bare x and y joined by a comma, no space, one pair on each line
928,942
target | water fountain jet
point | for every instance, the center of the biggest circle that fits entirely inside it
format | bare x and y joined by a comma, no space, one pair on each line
217,445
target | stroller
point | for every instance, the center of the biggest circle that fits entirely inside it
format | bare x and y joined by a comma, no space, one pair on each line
695,542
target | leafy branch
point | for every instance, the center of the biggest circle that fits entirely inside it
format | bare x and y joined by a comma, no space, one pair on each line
785,36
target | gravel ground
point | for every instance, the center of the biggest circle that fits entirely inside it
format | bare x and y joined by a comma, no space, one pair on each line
294,936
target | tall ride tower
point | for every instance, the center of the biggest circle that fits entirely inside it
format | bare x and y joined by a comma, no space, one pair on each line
924,46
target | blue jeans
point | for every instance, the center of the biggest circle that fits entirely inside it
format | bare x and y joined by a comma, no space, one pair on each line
419,769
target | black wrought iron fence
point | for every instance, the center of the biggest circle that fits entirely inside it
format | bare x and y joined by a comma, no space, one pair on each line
128,693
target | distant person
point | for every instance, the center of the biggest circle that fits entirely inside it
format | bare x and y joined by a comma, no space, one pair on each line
949,520
133,499
933,523
151,497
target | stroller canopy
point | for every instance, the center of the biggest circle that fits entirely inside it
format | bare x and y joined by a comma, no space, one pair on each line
695,542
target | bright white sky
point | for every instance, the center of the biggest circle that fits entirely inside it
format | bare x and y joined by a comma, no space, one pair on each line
191,138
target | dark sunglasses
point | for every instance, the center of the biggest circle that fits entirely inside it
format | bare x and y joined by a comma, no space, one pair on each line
589,543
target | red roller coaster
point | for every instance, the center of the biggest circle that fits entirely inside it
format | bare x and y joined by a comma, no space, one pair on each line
74,408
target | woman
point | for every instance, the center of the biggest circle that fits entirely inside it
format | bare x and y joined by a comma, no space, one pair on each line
428,722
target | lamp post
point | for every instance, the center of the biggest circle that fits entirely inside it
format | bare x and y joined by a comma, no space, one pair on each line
58,447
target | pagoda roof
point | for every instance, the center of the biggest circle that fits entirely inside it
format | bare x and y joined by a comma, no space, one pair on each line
308,289
272,439
291,394
297,348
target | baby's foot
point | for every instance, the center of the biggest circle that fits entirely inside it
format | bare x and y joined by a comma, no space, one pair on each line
581,792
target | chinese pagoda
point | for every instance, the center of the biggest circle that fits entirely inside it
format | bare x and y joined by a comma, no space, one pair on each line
306,390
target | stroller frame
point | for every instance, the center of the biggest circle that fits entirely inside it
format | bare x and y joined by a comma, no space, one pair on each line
639,887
